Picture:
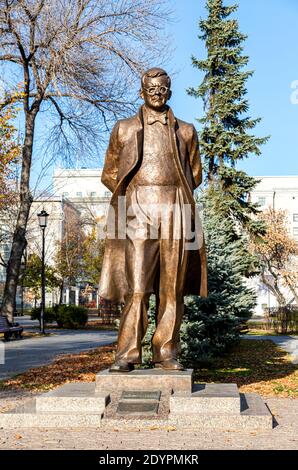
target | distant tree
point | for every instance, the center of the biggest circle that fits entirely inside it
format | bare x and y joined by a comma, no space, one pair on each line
32,276
93,251
77,60
70,250
10,151
277,252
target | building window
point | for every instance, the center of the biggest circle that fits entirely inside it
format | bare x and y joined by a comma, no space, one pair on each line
108,193
64,194
295,233
79,194
295,217
93,194
261,201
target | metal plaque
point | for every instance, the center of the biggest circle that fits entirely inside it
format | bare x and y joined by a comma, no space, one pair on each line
137,408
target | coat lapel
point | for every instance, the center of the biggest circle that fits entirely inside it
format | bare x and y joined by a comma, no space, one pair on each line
139,136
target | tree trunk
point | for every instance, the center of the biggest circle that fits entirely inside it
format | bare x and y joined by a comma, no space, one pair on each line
294,292
61,293
275,290
283,318
19,236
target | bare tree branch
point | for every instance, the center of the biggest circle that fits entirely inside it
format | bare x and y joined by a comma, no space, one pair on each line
79,61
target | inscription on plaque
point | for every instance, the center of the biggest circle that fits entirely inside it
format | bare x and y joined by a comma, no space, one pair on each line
140,395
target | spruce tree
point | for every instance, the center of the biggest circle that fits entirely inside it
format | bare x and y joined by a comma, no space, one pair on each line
212,324
224,137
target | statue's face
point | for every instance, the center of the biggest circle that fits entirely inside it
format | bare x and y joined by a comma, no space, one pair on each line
155,92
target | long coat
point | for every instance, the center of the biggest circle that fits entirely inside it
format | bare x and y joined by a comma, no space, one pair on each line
123,154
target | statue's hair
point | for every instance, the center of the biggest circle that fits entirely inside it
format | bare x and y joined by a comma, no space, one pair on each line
155,72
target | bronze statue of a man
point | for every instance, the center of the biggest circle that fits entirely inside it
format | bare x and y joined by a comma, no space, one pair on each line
153,163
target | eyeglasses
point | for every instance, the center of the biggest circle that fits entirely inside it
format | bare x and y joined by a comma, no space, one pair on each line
163,90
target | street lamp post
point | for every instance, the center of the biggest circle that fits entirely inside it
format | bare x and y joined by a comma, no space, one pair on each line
43,221
23,267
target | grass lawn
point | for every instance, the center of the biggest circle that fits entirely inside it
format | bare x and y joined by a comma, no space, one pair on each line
259,332
256,332
256,366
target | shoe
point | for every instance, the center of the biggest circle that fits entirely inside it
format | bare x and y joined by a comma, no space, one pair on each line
121,366
170,364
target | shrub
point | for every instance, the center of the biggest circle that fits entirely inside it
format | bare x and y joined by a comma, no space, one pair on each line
206,332
283,319
49,315
146,345
71,316
66,316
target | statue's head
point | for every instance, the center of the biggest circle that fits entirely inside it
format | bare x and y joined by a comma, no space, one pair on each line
155,89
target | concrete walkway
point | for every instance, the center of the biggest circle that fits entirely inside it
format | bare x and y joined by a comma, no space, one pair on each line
21,355
288,343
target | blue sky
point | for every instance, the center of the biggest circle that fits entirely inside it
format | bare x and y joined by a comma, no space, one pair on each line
271,26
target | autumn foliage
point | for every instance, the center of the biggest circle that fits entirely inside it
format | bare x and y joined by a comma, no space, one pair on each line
9,153
278,252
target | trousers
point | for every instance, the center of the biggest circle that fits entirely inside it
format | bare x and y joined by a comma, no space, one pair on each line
156,263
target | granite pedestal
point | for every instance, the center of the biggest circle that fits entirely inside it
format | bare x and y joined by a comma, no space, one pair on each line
168,400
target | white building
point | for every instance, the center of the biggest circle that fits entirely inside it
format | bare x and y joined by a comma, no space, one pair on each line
277,192
84,189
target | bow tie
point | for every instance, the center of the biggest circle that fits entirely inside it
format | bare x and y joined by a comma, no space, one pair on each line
162,118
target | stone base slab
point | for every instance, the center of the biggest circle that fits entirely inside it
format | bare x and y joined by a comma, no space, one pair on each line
28,417
254,415
73,397
145,379
207,398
